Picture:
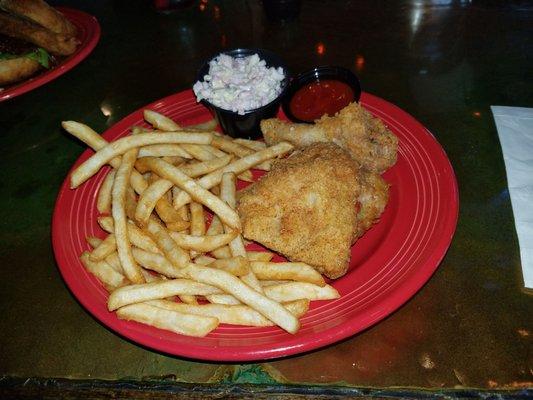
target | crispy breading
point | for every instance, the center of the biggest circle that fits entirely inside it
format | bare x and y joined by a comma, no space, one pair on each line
305,207
372,200
366,138
55,43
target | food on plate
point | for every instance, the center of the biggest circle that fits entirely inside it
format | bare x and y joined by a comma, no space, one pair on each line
323,97
31,34
41,13
239,84
20,59
372,199
305,207
178,322
353,128
169,264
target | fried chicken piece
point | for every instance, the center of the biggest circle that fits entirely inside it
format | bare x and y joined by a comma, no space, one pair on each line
55,43
41,13
366,138
372,200
305,207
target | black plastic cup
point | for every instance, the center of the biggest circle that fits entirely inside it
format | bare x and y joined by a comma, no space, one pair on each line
315,75
246,125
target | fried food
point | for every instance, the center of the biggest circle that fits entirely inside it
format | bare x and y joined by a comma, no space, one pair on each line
372,200
353,128
55,43
41,13
305,207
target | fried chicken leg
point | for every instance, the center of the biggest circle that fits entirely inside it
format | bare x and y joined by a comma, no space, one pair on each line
353,128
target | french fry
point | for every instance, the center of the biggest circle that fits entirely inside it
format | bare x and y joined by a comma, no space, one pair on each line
197,223
198,152
157,290
103,201
238,266
202,259
202,244
110,278
226,314
170,216
265,256
251,144
237,167
204,167
271,282
120,186
176,255
106,223
234,147
178,226
206,153
135,130
198,193
94,242
295,271
213,150
234,286
122,145
97,142
159,121
131,203
236,246
150,277
174,160
197,226
216,228
149,198
230,146
246,176
185,324
156,262
210,125
256,146
105,248
113,260
300,290
163,150
297,307
222,299
187,299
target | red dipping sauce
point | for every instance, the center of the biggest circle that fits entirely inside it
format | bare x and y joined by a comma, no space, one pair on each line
316,99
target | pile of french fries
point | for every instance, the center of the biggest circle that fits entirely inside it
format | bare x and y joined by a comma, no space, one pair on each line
174,257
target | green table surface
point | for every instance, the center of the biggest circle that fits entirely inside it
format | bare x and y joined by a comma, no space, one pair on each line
444,62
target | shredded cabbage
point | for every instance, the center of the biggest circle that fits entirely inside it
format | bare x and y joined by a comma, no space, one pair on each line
239,84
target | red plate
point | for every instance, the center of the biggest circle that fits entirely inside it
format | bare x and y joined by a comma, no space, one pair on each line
88,35
389,264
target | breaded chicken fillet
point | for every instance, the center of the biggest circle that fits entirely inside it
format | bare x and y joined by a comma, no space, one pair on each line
373,198
306,207
353,128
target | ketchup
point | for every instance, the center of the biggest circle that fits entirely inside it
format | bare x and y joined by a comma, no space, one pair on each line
313,100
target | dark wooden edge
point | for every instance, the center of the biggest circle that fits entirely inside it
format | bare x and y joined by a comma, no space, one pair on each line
40,388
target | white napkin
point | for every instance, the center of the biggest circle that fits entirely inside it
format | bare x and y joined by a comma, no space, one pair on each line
515,129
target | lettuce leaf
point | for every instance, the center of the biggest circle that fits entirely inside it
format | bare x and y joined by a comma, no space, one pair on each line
40,55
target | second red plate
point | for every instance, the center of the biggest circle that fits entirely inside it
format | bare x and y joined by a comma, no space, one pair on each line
88,35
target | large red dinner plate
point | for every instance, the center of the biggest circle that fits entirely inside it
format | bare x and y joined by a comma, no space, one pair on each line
389,264
88,35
